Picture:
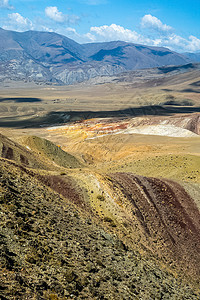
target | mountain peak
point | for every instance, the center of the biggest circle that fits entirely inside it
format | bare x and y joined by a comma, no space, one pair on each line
55,57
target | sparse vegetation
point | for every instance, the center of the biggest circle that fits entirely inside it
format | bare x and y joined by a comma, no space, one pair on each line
52,152
49,252
63,173
101,197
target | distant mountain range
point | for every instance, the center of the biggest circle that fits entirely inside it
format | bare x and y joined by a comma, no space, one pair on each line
50,57
194,57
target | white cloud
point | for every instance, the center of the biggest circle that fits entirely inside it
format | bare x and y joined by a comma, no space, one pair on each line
167,37
71,30
163,36
89,37
18,22
180,44
73,34
194,44
115,32
5,4
149,21
54,14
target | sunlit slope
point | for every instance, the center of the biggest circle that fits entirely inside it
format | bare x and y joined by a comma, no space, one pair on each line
22,155
50,151
120,150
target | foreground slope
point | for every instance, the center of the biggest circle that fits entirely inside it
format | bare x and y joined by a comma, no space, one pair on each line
79,234
51,249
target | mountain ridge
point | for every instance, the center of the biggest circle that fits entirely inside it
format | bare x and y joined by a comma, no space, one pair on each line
51,57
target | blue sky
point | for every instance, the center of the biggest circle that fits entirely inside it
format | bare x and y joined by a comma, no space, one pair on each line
173,23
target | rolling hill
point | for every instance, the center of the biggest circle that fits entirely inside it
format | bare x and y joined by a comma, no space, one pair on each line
84,235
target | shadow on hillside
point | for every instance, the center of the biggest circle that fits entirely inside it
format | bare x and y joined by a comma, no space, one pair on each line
21,100
167,90
197,83
59,118
190,91
168,69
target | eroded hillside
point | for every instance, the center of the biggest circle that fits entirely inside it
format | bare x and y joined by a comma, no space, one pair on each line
79,234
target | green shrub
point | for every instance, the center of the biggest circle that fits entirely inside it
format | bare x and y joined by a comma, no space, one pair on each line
101,197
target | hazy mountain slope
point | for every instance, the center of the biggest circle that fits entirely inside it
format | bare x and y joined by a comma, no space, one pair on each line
47,56
195,57
48,47
133,56
45,47
9,48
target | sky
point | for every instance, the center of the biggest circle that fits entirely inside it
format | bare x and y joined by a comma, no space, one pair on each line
174,24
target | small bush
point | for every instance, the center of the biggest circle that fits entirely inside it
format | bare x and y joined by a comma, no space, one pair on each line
63,173
109,220
101,197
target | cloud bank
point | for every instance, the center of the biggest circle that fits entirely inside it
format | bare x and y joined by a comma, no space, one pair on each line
152,31
54,14
5,4
149,21
162,36
18,23
107,33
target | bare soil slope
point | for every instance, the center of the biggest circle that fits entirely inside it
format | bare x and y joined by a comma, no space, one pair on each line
166,215
52,250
